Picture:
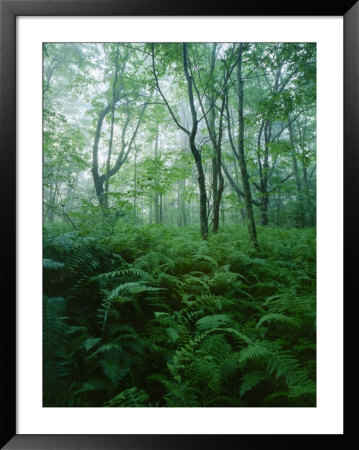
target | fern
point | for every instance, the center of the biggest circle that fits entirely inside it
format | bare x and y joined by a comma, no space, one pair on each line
53,321
250,380
115,365
277,317
49,264
90,343
306,388
132,397
56,351
214,321
155,317
129,272
258,350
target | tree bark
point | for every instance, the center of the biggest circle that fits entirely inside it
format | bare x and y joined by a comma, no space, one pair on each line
265,175
242,161
195,152
296,174
150,212
97,178
156,183
191,138
101,182
218,181
107,179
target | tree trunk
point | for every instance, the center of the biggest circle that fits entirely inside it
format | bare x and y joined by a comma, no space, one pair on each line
150,212
179,215
157,196
183,204
195,152
191,137
135,190
161,208
296,174
279,203
265,175
107,177
97,178
264,209
217,176
310,210
242,162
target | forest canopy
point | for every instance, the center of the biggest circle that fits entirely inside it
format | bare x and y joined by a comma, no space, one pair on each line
179,216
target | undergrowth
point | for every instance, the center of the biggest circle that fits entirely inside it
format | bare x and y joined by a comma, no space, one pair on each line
154,316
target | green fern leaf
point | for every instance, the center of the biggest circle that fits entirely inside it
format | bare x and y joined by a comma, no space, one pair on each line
276,317
213,321
250,380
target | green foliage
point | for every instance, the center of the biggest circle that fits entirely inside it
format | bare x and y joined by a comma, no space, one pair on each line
130,397
138,315
211,322
160,318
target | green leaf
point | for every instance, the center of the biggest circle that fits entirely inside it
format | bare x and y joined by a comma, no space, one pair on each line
91,342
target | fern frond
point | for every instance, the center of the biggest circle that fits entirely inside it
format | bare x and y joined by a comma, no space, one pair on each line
213,321
250,380
49,264
308,387
131,397
114,365
257,350
129,272
277,317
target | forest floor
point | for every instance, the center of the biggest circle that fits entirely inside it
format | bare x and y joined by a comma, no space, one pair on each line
155,316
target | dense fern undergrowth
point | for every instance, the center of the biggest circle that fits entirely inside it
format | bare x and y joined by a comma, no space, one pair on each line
156,317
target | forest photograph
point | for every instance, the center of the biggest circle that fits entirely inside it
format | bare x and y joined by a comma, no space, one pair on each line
179,224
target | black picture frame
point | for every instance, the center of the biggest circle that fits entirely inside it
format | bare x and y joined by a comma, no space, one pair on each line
9,10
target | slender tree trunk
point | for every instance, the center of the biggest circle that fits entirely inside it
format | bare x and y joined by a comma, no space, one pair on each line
183,190
264,209
310,210
51,207
150,212
191,138
157,195
215,136
98,179
183,204
296,173
107,177
161,208
265,175
242,162
214,194
240,197
53,198
179,215
217,177
70,191
279,203
195,152
135,189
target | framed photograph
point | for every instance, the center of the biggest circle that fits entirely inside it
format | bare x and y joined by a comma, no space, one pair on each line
174,188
